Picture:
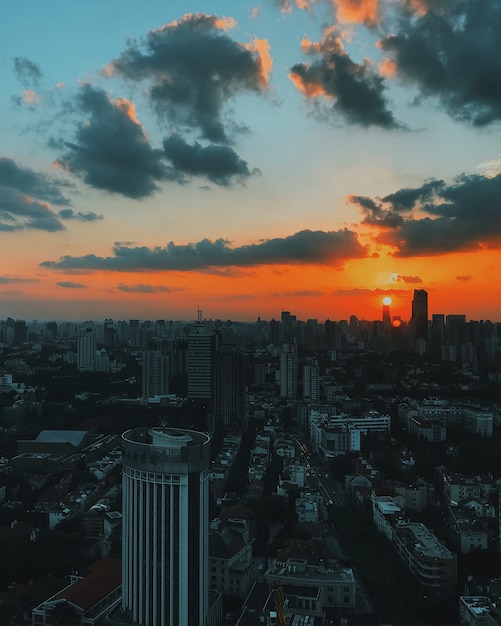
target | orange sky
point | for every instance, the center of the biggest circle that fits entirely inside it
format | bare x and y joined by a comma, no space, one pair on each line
296,155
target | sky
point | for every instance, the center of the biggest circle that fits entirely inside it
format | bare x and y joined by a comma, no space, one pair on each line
247,158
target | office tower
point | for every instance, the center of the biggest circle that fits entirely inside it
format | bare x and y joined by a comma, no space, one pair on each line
437,335
20,332
86,350
109,333
202,343
155,373
288,323
419,320
275,332
455,333
330,333
51,331
165,577
386,318
229,382
288,371
311,382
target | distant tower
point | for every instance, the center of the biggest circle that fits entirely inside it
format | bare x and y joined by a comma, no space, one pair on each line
419,320
165,528
229,378
155,373
20,332
289,371
386,313
202,343
311,382
275,332
86,351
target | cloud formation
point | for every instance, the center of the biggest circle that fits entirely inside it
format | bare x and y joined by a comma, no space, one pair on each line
355,90
18,212
142,288
411,280
218,163
438,218
111,151
195,69
306,248
69,214
8,280
32,183
71,285
27,72
360,291
448,51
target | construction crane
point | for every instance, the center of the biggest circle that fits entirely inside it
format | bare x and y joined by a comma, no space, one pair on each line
278,598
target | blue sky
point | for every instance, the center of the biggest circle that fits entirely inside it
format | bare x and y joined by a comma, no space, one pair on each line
249,157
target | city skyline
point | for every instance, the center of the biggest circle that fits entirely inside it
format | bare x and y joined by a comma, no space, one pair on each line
313,156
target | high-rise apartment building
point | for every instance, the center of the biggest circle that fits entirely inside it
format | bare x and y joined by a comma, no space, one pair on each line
289,371
202,343
86,351
165,577
228,392
155,373
311,382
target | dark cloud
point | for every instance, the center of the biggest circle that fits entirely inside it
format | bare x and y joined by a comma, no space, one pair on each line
111,150
7,280
195,69
464,278
299,294
220,164
359,291
356,90
411,280
69,214
32,183
441,218
305,247
27,72
141,288
450,52
21,212
71,285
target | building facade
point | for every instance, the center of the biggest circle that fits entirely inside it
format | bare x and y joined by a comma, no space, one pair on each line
165,526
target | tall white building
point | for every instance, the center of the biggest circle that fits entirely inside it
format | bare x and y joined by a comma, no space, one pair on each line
165,578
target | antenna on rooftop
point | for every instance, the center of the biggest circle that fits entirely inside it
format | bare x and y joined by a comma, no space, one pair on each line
199,315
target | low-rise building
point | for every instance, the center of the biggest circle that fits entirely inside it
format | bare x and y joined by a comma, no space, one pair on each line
314,587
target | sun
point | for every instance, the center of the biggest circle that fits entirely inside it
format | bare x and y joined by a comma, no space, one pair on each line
387,300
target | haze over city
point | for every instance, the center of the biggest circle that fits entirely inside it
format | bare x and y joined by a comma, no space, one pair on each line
248,158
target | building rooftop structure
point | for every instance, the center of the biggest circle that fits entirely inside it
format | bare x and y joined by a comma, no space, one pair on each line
74,437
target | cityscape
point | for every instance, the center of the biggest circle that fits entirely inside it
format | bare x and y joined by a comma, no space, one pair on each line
250,322
274,472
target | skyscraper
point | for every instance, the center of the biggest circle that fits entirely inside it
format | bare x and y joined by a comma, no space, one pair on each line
228,392
155,374
419,320
311,382
289,371
386,318
165,577
86,350
202,342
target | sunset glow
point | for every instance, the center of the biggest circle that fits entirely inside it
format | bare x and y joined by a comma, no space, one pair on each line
290,156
